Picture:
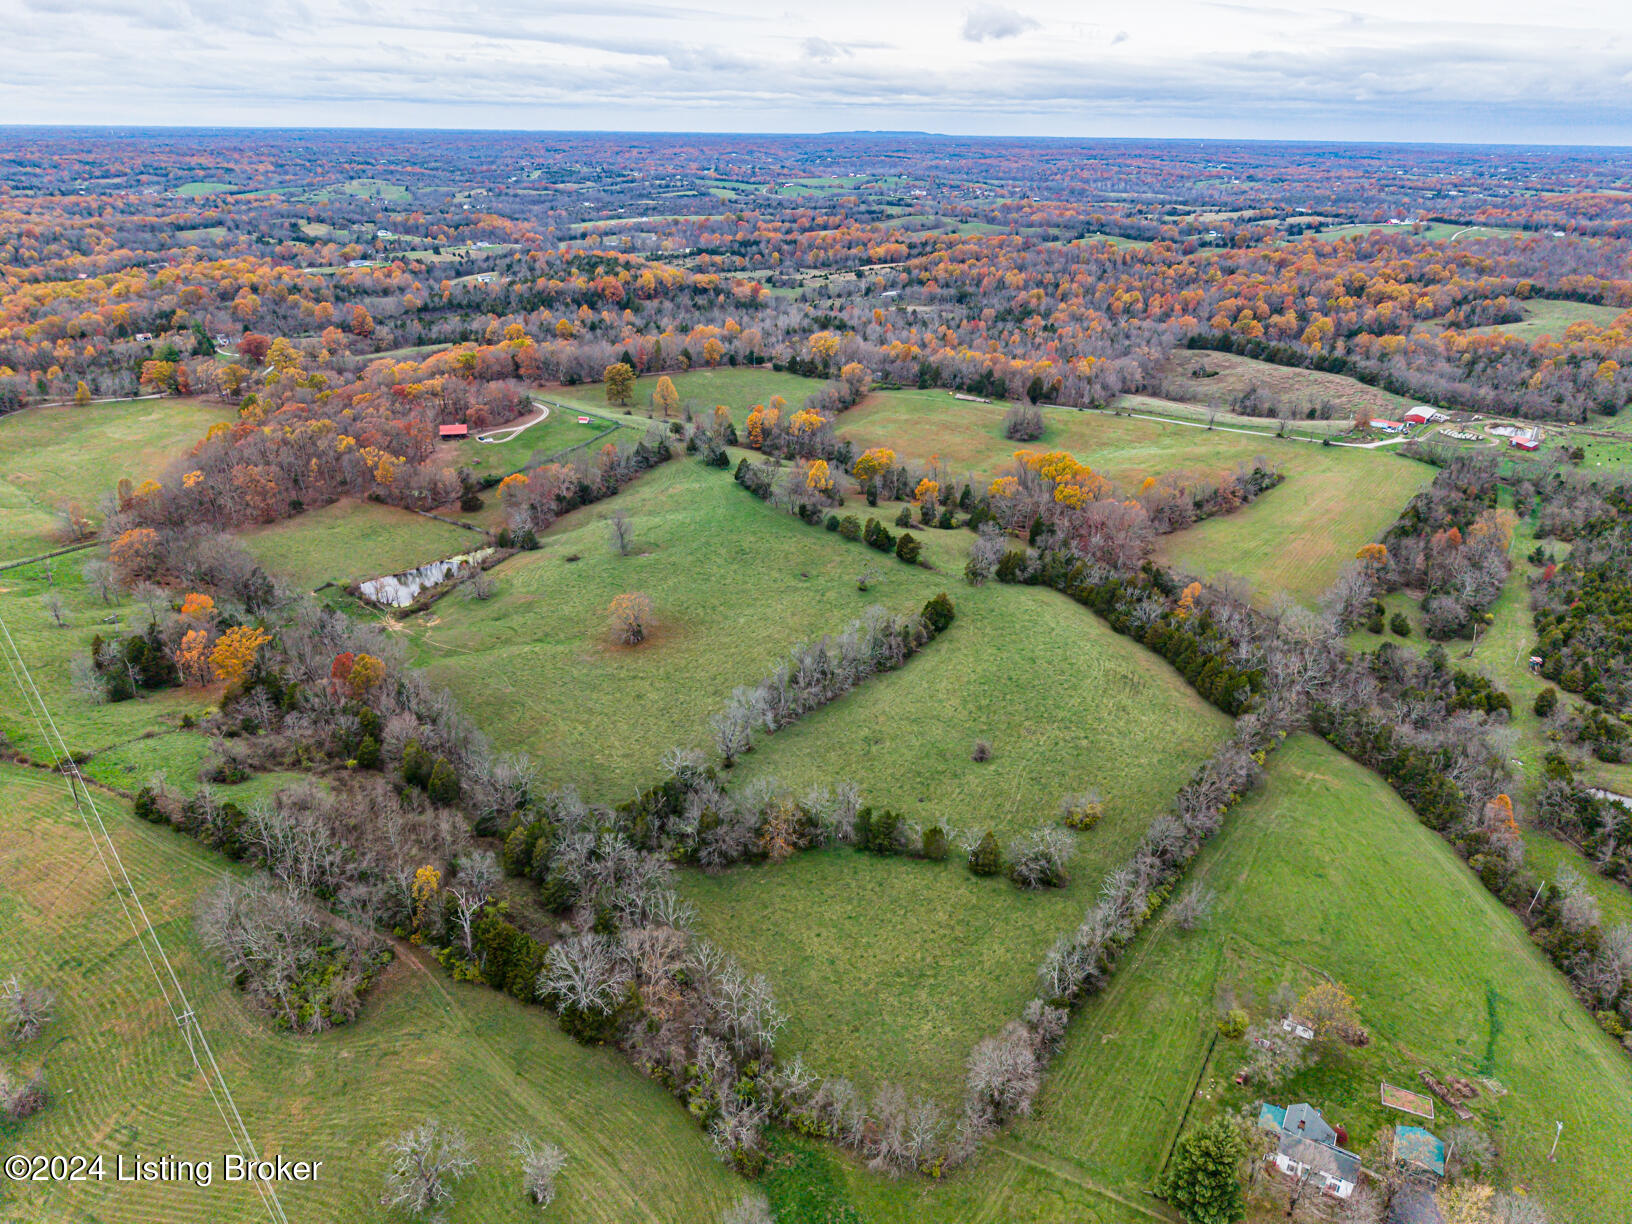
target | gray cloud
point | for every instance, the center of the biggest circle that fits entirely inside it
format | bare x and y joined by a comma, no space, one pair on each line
991,22
478,63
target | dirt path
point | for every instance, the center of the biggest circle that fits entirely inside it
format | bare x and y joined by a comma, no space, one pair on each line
510,431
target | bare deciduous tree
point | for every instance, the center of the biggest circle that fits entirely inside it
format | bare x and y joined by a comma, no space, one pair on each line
1195,907
24,1010
541,1163
425,1162
471,889
620,533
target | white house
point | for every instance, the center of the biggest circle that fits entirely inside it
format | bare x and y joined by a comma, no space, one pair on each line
1309,1149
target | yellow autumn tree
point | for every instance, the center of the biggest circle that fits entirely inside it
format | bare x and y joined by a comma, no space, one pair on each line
818,479
427,881
874,461
619,378
82,394
1187,601
756,426
1329,1009
235,653
927,493
631,616
665,398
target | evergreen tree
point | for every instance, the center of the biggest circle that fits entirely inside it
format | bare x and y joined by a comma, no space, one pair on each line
1201,1182
986,859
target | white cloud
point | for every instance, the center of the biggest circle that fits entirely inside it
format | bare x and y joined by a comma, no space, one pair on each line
990,22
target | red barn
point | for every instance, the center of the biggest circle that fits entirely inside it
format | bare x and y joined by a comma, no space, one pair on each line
454,431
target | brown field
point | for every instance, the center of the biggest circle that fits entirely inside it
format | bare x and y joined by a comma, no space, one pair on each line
1303,389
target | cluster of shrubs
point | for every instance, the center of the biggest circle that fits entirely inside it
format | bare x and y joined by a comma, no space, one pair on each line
140,662
1583,608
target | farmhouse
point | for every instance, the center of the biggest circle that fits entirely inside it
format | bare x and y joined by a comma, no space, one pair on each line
1309,1149
1388,426
453,431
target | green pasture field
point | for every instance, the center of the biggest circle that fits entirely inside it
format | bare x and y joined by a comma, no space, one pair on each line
122,1081
348,541
1324,871
205,187
738,388
533,445
51,651
1551,317
735,585
905,937
49,456
1294,538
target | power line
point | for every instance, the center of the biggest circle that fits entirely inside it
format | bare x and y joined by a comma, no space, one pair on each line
130,902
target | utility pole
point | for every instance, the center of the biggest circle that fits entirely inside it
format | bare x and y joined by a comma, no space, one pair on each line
1556,1134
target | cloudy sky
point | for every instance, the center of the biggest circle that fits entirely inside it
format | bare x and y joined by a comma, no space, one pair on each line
1477,70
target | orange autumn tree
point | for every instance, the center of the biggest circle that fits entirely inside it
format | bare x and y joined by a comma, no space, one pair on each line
365,675
1372,556
135,555
197,607
235,653
193,658
927,493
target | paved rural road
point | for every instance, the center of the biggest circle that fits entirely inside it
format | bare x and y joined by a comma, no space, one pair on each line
510,431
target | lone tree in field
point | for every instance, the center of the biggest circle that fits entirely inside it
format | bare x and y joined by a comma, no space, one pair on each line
620,383
620,532
1201,1182
665,398
24,1010
541,1164
631,615
425,1161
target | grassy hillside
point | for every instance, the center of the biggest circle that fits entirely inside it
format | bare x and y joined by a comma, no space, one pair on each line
348,541
734,585
867,953
49,456
1444,976
1297,538
123,1081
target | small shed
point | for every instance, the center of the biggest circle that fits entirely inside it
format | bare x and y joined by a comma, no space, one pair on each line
1419,1149
454,431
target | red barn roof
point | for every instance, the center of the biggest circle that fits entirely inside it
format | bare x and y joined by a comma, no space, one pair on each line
454,431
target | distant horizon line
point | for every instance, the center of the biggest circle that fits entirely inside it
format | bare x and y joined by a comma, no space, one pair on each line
875,133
